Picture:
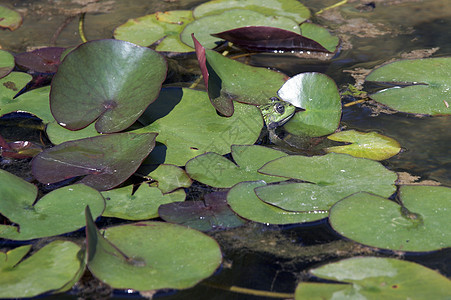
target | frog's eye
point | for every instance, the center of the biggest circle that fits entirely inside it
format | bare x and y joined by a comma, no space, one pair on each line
280,109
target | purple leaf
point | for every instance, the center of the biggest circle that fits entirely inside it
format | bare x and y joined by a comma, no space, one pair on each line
269,39
44,60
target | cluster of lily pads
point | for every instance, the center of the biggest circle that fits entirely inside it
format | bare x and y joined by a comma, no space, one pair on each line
109,120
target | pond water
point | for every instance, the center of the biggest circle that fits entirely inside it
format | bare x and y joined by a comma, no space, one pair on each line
275,258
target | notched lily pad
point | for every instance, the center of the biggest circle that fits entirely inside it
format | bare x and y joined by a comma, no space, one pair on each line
161,28
108,81
375,278
217,171
212,213
318,95
328,179
6,63
370,145
243,200
9,19
420,86
148,256
417,225
269,39
56,213
141,205
168,178
105,161
10,85
47,270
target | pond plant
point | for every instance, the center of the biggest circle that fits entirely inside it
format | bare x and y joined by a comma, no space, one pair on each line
124,149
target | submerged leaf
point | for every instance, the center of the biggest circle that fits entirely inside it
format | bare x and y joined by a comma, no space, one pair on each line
370,145
107,81
150,255
105,161
269,39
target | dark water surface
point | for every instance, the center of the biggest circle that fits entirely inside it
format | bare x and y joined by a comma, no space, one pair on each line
275,258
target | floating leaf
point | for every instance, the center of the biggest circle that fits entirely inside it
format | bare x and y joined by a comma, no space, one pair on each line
9,19
288,8
224,80
328,179
58,134
163,28
35,102
150,255
6,63
43,60
110,81
58,212
105,161
318,95
179,130
320,35
375,278
49,269
269,39
420,86
370,145
212,213
10,85
141,205
205,26
217,171
415,226
169,177
242,199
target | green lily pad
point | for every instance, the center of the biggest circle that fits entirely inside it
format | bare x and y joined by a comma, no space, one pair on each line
49,269
150,255
6,63
58,134
318,95
10,85
320,35
9,19
105,161
107,81
370,145
418,225
161,27
217,171
141,205
58,212
375,278
426,85
211,213
243,200
179,129
328,179
288,8
169,178
205,26
35,102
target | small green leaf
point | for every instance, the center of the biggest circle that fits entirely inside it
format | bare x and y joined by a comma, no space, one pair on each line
142,205
47,270
418,225
242,199
215,170
150,255
318,95
9,19
164,27
370,145
425,85
375,278
169,178
107,81
320,35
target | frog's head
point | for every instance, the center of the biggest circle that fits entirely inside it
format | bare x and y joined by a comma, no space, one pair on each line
277,113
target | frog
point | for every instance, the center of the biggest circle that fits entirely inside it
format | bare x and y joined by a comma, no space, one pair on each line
275,114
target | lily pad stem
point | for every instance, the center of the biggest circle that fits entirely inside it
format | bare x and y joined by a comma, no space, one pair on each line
332,6
81,23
